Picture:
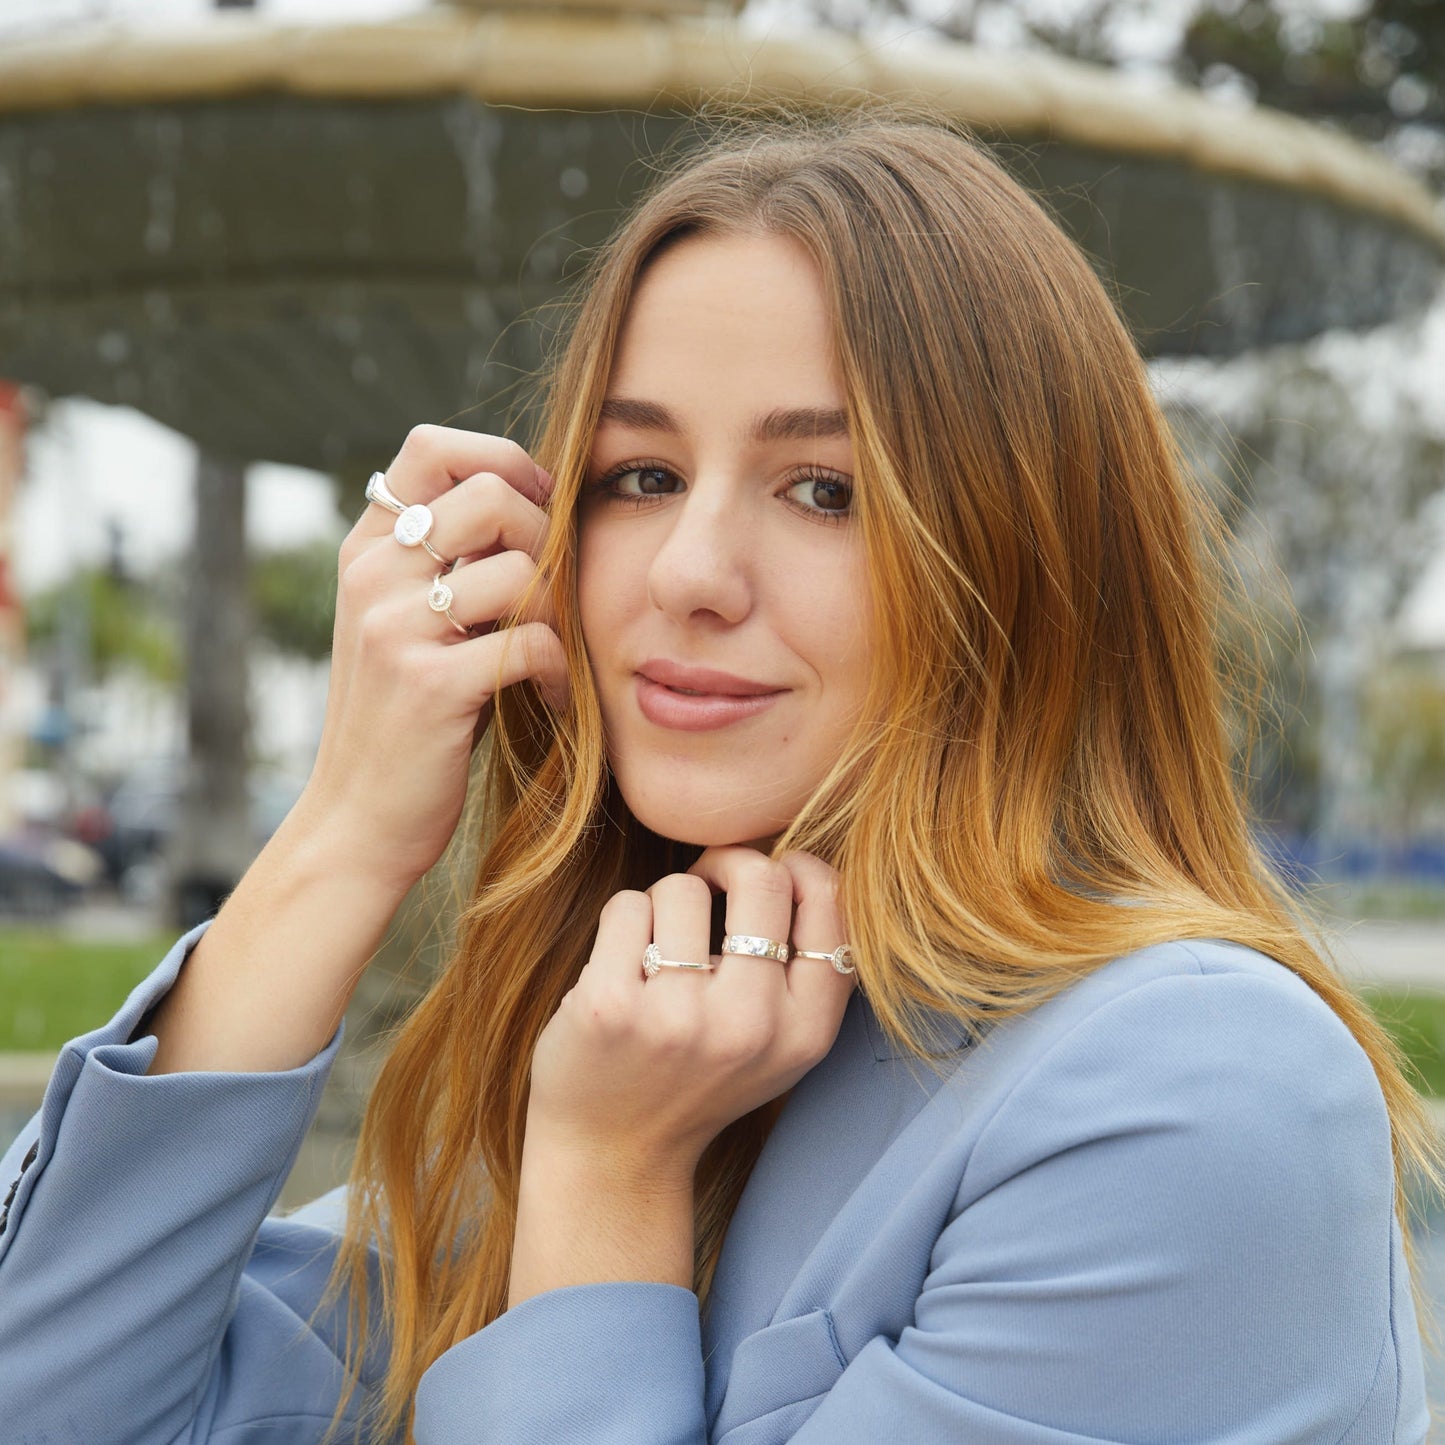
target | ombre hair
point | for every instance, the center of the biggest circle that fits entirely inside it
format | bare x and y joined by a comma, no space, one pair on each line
1051,729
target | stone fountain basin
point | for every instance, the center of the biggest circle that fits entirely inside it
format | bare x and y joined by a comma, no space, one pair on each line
294,244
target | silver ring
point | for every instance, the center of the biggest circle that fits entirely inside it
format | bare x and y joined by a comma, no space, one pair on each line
750,946
377,491
412,528
440,599
653,962
841,957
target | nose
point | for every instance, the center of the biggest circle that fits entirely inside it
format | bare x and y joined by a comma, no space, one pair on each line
704,564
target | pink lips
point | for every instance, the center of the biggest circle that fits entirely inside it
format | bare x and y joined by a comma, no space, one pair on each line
698,699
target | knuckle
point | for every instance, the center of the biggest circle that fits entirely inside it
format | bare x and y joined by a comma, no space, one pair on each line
488,489
768,877
684,888
610,1012
512,453
352,546
422,441
627,906
374,630
744,1041
521,569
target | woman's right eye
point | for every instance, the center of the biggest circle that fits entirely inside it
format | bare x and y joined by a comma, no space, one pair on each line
640,481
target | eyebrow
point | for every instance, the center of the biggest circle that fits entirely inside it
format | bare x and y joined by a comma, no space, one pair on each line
797,423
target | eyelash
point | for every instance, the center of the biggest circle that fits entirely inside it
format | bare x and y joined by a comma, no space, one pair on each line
606,486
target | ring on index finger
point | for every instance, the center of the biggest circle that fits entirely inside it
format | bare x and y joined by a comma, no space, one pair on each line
379,492
653,963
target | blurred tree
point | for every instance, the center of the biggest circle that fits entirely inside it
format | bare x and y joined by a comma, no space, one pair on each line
1404,715
294,596
1327,481
1372,71
133,620
132,623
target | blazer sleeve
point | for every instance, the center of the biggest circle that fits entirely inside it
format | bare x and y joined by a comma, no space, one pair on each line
1176,1223
144,1295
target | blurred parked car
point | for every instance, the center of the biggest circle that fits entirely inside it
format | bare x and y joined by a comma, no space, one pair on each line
42,873
132,828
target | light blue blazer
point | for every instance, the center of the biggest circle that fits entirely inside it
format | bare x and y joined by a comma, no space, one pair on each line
1156,1209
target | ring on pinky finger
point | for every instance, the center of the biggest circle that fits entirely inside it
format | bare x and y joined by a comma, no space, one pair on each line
841,957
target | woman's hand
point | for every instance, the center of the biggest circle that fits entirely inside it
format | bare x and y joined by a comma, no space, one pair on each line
633,1077
409,694
640,1074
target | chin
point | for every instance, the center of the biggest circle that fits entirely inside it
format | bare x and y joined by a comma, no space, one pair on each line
706,823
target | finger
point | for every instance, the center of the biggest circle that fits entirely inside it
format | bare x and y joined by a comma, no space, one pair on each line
491,588
484,514
509,654
433,459
815,986
759,905
613,972
681,927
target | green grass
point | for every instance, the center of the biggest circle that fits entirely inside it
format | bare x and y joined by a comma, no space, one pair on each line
1417,1023
53,988
1415,902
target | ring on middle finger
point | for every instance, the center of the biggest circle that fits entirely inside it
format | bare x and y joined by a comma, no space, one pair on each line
749,945
412,528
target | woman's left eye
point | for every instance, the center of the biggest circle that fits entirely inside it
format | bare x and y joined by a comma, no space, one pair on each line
830,496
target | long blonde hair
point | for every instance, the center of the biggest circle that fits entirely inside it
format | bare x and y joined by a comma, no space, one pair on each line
1049,732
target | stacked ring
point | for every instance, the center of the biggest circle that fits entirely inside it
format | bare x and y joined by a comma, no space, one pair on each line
841,957
440,599
750,946
653,962
413,523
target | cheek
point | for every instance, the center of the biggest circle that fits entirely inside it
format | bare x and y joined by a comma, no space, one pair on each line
610,579
836,628
591,593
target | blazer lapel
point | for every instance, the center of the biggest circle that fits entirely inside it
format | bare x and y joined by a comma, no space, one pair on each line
838,1122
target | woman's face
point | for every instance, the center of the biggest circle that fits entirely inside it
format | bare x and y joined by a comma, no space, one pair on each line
721,579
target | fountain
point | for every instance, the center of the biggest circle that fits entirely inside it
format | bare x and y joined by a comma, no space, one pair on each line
292,243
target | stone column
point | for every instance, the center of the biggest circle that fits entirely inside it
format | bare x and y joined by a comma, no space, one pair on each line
212,843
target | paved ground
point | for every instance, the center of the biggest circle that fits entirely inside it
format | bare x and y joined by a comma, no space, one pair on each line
1394,953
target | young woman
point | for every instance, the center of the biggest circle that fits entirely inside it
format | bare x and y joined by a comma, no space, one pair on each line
860,595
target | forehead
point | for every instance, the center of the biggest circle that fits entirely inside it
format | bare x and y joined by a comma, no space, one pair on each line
719,322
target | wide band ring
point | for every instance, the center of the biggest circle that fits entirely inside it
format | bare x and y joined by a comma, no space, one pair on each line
750,946
377,491
440,599
653,963
841,957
